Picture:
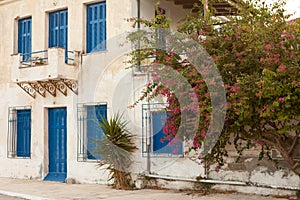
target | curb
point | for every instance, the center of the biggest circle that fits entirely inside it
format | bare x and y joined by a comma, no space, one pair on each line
24,196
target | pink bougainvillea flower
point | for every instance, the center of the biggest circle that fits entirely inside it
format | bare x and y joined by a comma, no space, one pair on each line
281,99
168,59
227,38
280,43
260,143
201,32
154,64
172,54
267,47
282,67
196,144
175,150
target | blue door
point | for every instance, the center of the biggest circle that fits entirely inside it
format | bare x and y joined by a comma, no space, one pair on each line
58,30
57,141
160,144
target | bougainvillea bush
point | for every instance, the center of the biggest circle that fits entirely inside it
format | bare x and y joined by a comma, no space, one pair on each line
257,54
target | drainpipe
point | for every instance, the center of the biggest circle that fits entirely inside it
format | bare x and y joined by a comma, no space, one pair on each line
148,147
138,13
237,183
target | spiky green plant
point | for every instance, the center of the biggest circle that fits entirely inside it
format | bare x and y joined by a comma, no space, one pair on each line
115,149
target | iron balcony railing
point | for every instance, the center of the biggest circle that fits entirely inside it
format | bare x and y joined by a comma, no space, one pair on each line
38,58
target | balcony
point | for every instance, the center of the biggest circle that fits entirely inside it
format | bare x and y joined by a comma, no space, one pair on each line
221,8
46,71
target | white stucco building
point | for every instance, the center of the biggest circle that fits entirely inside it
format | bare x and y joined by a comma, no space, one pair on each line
62,60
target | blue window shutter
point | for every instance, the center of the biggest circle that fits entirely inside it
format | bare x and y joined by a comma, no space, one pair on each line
23,133
63,28
58,30
24,37
160,145
53,29
96,27
94,130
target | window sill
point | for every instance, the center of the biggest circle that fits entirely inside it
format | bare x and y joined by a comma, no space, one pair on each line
95,52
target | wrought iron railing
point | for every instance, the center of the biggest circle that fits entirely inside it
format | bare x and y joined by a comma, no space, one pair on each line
38,58
34,58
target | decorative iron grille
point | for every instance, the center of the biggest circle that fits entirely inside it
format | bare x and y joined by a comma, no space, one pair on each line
149,138
83,154
13,144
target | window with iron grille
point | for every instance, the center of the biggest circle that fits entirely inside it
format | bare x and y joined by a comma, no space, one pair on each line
89,130
96,27
24,38
19,132
154,139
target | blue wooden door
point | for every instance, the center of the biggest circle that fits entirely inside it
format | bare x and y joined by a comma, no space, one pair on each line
160,144
58,30
57,141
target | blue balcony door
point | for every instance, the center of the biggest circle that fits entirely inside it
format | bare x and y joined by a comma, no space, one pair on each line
58,30
57,143
160,145
24,38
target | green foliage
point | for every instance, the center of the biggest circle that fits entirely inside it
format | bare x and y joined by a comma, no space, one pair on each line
115,149
258,55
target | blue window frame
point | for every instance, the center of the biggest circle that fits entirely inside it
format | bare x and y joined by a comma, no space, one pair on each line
96,27
94,130
23,133
154,139
160,144
24,37
19,132
89,129
58,30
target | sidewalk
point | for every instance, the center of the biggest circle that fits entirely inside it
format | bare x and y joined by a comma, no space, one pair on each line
42,190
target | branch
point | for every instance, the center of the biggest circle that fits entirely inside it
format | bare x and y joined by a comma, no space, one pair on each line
273,125
294,143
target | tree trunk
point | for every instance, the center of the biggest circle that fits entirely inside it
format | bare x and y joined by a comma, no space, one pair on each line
286,152
294,165
120,180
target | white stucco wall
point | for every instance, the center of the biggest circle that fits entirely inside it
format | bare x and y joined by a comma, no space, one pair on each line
101,76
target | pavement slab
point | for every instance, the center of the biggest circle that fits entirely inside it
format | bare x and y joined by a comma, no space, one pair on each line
44,190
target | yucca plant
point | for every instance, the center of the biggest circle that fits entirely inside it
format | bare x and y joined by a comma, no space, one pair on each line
115,149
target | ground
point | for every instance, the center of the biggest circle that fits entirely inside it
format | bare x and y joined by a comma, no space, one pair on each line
42,190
